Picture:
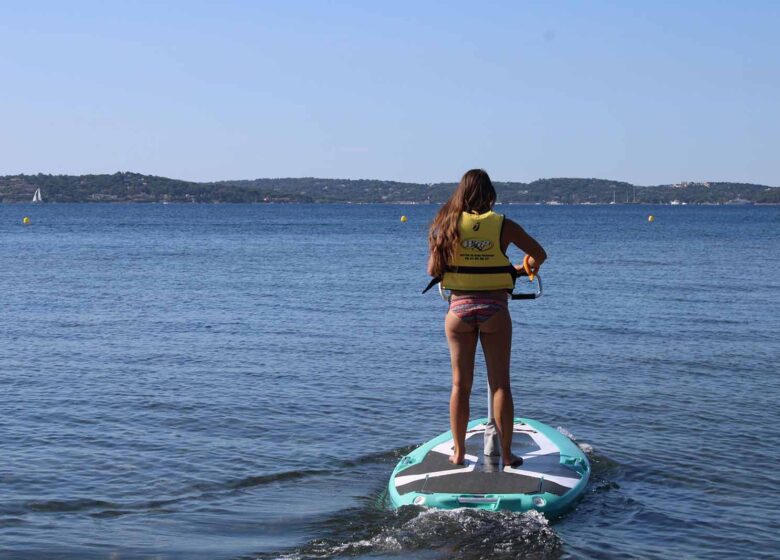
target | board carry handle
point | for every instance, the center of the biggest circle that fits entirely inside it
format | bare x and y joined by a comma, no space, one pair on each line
482,502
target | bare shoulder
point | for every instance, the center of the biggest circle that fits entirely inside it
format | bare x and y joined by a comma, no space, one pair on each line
511,224
512,229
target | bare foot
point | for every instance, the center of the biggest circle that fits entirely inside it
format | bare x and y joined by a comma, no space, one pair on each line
513,461
455,461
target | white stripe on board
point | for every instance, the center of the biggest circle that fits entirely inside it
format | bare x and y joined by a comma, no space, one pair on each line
546,446
560,480
447,447
401,480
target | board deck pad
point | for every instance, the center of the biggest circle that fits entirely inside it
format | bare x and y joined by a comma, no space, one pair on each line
540,472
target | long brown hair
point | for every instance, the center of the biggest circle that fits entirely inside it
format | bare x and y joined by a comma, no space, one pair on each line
475,193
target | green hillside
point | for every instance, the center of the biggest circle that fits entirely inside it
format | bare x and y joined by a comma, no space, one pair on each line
134,187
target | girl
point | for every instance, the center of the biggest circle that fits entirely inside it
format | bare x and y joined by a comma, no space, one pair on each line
468,243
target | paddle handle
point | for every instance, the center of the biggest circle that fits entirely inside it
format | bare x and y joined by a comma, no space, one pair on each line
492,443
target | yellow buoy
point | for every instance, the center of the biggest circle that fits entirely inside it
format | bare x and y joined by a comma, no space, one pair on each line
26,220
403,218
650,218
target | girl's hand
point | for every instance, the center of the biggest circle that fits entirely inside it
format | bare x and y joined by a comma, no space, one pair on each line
530,267
531,264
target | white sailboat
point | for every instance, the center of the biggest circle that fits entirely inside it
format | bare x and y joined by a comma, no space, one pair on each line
37,196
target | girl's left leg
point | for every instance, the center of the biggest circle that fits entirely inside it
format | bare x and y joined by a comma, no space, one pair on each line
462,340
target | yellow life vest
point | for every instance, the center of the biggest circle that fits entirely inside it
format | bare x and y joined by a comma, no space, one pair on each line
480,264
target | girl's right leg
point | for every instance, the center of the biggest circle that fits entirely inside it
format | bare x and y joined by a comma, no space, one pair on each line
462,340
496,338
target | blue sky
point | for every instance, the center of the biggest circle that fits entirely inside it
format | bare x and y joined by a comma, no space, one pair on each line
647,92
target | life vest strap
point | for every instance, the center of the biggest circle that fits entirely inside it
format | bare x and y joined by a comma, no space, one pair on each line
435,280
484,270
477,270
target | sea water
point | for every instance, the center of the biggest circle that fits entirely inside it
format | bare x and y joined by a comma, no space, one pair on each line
231,381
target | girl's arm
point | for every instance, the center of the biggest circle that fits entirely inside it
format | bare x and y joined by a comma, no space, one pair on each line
513,233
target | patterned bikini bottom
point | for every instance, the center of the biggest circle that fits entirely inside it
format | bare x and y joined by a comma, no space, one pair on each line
476,309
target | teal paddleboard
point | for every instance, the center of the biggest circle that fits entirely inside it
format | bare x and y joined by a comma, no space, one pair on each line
553,475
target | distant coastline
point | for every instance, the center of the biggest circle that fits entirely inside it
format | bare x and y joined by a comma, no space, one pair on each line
137,188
